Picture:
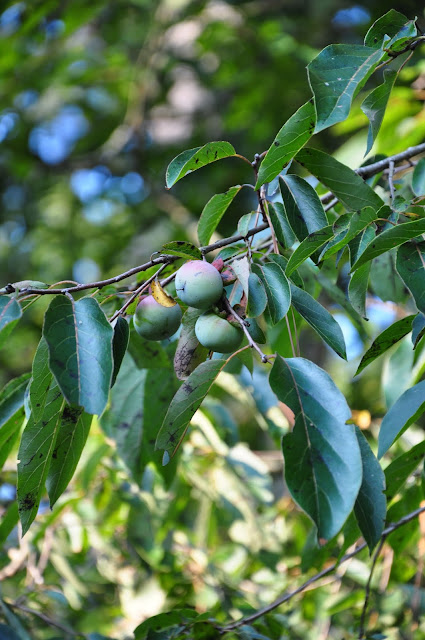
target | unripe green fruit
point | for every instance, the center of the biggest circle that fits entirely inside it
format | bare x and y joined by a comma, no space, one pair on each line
217,334
199,284
154,322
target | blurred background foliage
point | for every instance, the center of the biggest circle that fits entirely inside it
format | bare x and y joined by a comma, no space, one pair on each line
96,98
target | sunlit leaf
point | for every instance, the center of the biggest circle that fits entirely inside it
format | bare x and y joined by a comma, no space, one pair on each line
392,237
183,249
307,247
194,159
399,470
388,29
212,213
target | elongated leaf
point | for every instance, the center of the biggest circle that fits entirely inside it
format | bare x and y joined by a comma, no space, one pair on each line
184,405
358,221
335,75
292,136
305,213
213,212
280,224
418,178
320,319
277,289
35,455
189,353
307,247
358,245
384,279
347,186
241,269
79,338
409,406
375,103
357,289
418,329
119,345
257,296
41,380
12,397
401,468
386,340
411,268
194,159
74,427
323,467
371,506
10,312
147,354
8,522
389,239
183,249
388,29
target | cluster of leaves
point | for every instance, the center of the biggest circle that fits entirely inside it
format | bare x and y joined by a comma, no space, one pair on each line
87,365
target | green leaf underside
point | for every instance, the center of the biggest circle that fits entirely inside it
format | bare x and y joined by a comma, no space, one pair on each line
213,212
374,105
80,349
371,505
277,289
358,245
359,220
74,427
410,265
407,408
194,159
384,279
400,469
335,75
185,403
10,312
182,249
392,237
302,204
12,397
418,178
320,319
323,467
35,454
385,341
393,25
41,380
418,329
119,345
307,247
350,189
357,288
280,224
147,354
290,139
257,296
241,269
189,353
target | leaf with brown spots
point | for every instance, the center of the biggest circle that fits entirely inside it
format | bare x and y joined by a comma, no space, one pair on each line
189,353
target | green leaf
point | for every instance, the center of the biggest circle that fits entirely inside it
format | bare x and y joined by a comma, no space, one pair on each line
244,223
320,319
163,621
409,406
213,212
323,467
10,312
194,159
358,221
418,178
257,296
302,204
281,225
411,268
375,104
392,237
72,435
9,434
392,25
384,279
183,249
185,403
189,353
401,468
147,354
119,345
348,187
277,289
386,340
241,269
41,380
35,455
418,329
307,247
335,76
358,245
371,506
12,414
8,522
80,349
357,289
292,136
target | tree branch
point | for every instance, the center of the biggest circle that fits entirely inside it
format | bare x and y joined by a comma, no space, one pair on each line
242,322
46,619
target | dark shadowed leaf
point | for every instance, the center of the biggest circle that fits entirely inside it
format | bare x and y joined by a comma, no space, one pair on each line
12,414
389,239
74,427
80,351
8,522
358,221
401,468
277,289
40,380
281,225
147,354
388,338
335,75
193,159
178,618
257,297
418,178
119,345
409,406
360,242
389,28
320,319
375,103
357,289
213,212
418,329
305,213
384,279
307,247
292,136
411,268
183,249
323,467
10,312
371,506
189,352
347,186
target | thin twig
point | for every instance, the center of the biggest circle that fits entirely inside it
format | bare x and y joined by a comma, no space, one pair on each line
331,204
138,291
391,181
290,336
368,586
242,322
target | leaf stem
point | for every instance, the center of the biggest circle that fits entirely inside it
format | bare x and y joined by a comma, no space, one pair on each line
243,324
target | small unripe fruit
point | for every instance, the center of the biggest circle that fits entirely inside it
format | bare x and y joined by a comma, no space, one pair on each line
199,284
217,334
154,322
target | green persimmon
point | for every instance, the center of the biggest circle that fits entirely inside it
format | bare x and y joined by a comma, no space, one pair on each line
217,334
152,321
199,284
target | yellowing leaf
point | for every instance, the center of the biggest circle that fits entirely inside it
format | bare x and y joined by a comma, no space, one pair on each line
162,296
